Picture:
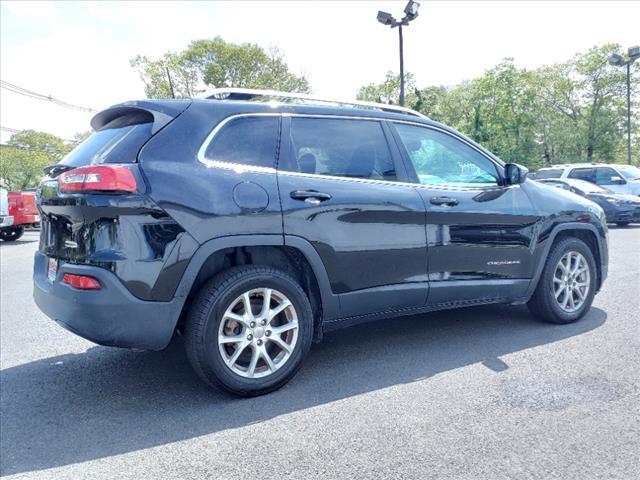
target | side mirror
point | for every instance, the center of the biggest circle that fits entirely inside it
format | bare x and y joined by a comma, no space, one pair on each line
616,180
515,174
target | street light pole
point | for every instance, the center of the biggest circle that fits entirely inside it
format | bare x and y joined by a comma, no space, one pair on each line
627,60
401,66
628,113
411,12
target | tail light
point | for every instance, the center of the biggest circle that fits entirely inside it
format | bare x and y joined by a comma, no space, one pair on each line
101,178
81,282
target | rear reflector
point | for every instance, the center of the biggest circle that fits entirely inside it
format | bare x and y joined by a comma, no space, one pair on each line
81,282
102,178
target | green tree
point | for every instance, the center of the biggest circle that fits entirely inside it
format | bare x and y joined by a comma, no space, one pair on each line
389,90
573,111
26,154
216,63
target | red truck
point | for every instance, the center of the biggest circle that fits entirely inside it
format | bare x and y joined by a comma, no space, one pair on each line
22,207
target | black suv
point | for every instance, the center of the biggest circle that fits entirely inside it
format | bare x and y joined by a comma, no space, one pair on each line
251,227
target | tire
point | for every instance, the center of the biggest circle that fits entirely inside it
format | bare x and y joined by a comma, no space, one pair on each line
622,224
220,309
11,234
544,303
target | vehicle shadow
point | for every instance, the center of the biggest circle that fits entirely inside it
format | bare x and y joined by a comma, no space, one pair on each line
79,407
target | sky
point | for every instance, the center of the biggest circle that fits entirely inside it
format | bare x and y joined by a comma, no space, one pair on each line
79,52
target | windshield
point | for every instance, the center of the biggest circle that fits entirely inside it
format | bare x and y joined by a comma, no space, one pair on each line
629,172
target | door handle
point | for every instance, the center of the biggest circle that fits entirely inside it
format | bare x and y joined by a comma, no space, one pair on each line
444,201
310,196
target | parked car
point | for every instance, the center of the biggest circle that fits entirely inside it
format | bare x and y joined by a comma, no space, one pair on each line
253,222
23,209
623,179
6,220
619,209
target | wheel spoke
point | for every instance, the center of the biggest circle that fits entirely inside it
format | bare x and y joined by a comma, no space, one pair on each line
234,358
224,339
559,290
268,360
251,370
246,300
581,295
238,318
284,328
281,343
279,309
266,301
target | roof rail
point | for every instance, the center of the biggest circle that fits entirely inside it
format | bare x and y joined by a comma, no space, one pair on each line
251,94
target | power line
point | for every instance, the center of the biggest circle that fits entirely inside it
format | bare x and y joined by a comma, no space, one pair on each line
39,96
15,130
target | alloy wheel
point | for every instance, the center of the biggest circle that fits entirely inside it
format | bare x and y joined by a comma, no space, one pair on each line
571,281
258,333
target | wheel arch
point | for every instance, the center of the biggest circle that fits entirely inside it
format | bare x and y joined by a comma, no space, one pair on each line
294,255
583,231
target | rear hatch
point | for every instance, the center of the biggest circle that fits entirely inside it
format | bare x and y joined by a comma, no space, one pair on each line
93,201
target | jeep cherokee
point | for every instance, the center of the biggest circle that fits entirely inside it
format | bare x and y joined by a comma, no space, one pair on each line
253,222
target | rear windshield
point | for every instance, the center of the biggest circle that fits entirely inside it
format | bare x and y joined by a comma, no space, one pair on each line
119,141
551,173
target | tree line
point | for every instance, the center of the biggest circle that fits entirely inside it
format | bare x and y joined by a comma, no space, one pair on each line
573,111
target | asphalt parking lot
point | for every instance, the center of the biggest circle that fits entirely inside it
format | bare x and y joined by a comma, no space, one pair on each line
481,393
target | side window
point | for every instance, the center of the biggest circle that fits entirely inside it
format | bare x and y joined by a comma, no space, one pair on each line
246,140
587,174
549,173
440,159
340,147
605,175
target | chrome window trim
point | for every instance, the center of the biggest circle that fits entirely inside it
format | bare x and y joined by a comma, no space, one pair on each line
241,168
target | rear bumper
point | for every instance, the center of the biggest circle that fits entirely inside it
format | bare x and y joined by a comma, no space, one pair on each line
6,221
110,316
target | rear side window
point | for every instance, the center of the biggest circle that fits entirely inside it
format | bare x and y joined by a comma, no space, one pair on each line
119,141
341,148
587,174
246,140
550,173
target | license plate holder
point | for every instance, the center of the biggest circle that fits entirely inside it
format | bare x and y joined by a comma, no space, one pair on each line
52,269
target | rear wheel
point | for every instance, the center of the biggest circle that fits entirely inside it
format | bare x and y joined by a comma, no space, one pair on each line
248,330
11,234
567,285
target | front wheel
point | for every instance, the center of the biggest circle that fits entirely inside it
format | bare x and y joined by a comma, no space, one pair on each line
11,234
567,285
248,330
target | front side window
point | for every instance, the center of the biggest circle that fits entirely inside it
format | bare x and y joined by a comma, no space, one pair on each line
587,174
440,159
340,147
606,176
246,140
